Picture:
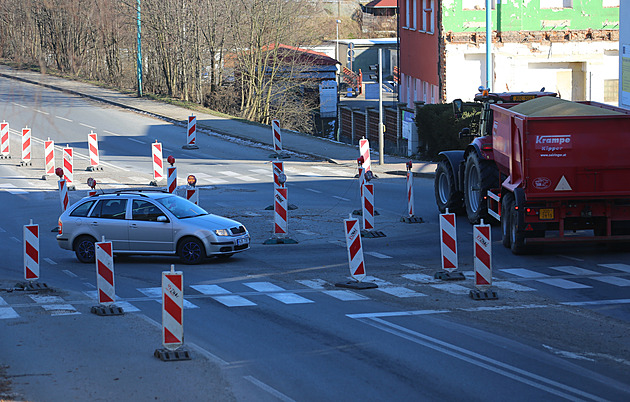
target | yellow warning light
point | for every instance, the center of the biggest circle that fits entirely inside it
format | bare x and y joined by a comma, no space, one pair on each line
192,180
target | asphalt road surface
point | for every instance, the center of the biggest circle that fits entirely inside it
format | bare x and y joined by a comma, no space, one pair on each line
269,323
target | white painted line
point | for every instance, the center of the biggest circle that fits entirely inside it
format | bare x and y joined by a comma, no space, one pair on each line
574,270
345,295
377,255
238,176
187,304
312,190
397,313
411,265
127,307
264,287
39,299
422,278
563,284
10,188
512,286
318,284
3,302
60,309
618,267
17,104
41,111
88,126
597,302
612,280
289,298
134,140
264,172
2,230
306,232
399,291
268,389
7,313
63,118
51,262
523,273
89,285
337,242
109,132
70,273
340,198
233,301
16,239
210,289
151,292
452,288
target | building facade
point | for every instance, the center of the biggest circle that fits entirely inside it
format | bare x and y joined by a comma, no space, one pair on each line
567,46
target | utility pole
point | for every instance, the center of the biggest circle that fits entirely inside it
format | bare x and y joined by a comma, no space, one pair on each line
488,45
139,67
381,155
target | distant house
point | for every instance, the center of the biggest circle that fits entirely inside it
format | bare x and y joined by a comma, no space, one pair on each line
381,7
570,47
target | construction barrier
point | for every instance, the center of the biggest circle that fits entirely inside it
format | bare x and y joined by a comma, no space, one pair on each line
171,179
158,164
367,204
355,249
448,240
4,140
364,151
278,172
93,150
172,309
410,200
483,263
68,165
191,133
63,194
192,194
31,251
49,156
105,272
26,145
92,184
277,136
280,207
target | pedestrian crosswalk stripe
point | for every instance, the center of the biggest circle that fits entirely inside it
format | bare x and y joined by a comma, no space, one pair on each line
3,302
233,301
613,280
289,298
264,172
377,255
314,283
345,295
451,288
512,286
400,291
422,278
60,309
238,176
8,312
210,289
618,267
546,279
156,293
263,286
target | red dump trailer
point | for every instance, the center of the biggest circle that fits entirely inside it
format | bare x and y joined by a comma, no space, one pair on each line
553,171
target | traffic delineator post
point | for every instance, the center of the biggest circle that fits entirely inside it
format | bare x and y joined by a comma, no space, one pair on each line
364,151
105,279
68,167
63,194
448,248
355,257
192,192
368,211
281,217
92,184
279,177
410,218
483,263
93,151
158,163
172,317
5,146
171,179
49,157
277,140
26,147
191,133
31,251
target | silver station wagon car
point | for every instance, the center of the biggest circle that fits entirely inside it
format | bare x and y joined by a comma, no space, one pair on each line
150,222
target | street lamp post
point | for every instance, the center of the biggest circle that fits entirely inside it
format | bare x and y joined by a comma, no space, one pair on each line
337,48
139,61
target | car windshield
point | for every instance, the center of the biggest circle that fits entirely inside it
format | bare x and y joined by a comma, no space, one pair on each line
181,207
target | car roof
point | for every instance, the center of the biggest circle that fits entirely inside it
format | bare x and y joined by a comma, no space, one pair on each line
136,194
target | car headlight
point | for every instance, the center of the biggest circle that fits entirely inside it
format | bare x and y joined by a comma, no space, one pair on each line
222,232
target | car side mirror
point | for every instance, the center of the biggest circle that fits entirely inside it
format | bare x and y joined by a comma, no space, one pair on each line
458,108
162,218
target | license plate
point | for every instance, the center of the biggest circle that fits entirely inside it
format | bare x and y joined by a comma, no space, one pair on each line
545,213
242,240
522,98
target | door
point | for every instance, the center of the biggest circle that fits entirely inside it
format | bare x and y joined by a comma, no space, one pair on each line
145,232
108,219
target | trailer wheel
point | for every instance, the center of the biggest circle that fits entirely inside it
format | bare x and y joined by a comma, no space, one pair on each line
507,204
517,238
446,195
479,177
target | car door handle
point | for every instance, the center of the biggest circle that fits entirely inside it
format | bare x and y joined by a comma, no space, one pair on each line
94,223
133,225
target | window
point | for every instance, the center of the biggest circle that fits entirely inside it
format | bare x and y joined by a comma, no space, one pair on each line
556,4
611,91
428,25
414,20
407,15
83,209
142,210
110,209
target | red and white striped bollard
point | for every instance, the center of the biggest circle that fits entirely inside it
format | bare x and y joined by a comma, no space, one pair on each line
26,146
364,151
5,149
277,136
191,133
482,239
367,203
31,251
280,208
172,309
105,281
448,240
158,163
49,156
355,249
93,150
68,165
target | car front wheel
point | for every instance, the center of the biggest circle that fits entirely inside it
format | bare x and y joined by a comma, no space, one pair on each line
84,249
191,251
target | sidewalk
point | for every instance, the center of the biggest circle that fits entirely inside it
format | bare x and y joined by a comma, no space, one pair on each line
317,147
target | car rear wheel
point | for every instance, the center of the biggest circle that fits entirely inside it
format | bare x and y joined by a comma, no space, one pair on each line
446,195
191,251
84,249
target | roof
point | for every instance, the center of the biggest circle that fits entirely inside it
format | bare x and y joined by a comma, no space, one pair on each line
306,56
368,42
382,4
